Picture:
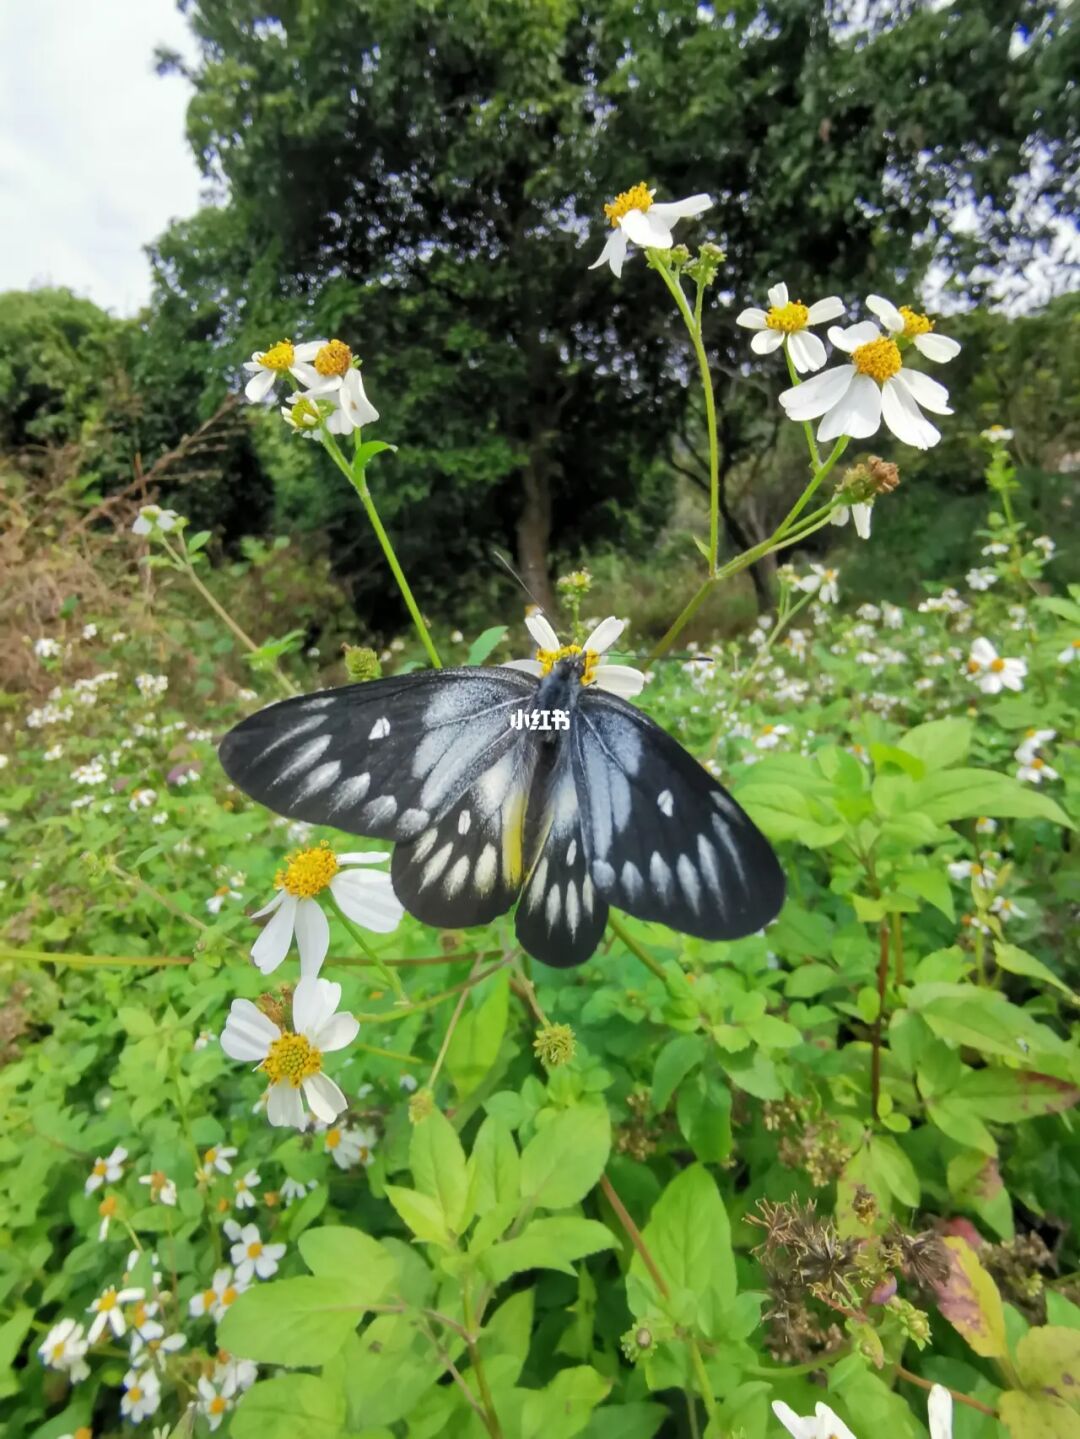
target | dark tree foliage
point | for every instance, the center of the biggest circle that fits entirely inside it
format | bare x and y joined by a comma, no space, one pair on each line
426,179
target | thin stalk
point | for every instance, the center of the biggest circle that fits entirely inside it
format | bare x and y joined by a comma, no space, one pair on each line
491,1419
387,1053
898,946
448,1036
903,1373
819,474
393,1015
637,950
359,484
782,622
87,961
882,980
702,1378
692,321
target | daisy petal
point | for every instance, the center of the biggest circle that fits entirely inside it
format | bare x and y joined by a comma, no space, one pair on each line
312,935
619,680
367,897
260,385
854,336
285,1106
939,1410
857,413
904,418
886,312
670,210
269,908
248,1033
937,347
796,1426
308,350
613,254
272,945
778,295
314,1002
812,398
646,229
806,351
363,856
541,631
926,391
766,341
604,635
751,319
324,1097
831,308
338,1031
528,667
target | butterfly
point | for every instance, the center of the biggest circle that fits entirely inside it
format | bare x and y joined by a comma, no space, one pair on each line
489,802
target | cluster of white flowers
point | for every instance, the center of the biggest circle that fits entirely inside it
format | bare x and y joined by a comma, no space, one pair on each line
332,391
46,648
1033,768
152,687
824,1423
153,520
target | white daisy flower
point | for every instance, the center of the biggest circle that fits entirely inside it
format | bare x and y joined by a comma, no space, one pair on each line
1046,545
293,1189
893,616
907,324
822,1424
939,1412
348,1147
244,1197
215,1401
408,1082
224,1290
985,825
635,216
853,399
293,1059
1069,653
266,367
978,874
996,435
785,323
156,1348
108,1312
860,513
991,672
106,1171
242,1372
217,1159
1032,742
46,648
822,582
64,1347
365,897
153,517
1035,771
770,736
995,547
250,1255
981,579
352,406
1007,909
621,680
142,1395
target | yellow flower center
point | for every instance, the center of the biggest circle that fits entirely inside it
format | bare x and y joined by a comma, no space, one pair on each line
333,1138
788,318
210,1156
208,1297
305,415
973,667
139,1315
83,1432
217,1405
636,198
107,1301
58,1350
997,665
914,323
254,1249
229,1294
767,729
1038,763
1075,644
549,658
280,357
308,871
135,1394
880,359
107,1207
100,1167
292,1058
335,358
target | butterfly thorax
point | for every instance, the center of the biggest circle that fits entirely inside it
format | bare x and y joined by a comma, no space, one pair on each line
560,688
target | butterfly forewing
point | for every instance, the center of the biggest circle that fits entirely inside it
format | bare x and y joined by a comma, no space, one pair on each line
561,917
666,842
389,758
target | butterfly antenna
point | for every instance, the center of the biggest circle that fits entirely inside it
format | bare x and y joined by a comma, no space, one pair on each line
504,560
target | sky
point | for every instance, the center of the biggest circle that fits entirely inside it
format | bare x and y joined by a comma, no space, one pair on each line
93,159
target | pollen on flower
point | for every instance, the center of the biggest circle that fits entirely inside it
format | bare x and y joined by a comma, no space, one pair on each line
997,665
332,1138
254,1249
914,323
548,659
636,198
788,318
281,356
292,1059
107,1207
880,359
335,358
308,871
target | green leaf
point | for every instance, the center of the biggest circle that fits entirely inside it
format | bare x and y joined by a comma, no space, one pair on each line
335,1252
423,1214
896,1169
929,884
1006,1096
940,743
689,1237
1018,961
674,1062
494,1167
703,1110
564,1407
547,1244
198,541
485,643
282,1408
1048,1361
292,1322
884,755
970,1301
968,793
366,452
437,1161
566,1157
478,1036
509,1330
1028,1417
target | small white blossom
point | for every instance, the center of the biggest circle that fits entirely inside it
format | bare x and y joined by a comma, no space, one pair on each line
1033,741
294,1189
107,1171
995,547
1069,653
786,323
621,680
1035,771
1046,545
244,1185
905,323
770,736
64,1347
218,1159
250,1255
981,579
822,1424
860,513
46,648
162,1188
991,672
107,1310
996,435
985,825
267,366
1007,909
215,1401
636,217
348,1147
151,518
978,874
822,582
151,686
224,1290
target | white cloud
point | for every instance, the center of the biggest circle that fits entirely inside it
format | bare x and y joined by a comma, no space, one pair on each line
93,159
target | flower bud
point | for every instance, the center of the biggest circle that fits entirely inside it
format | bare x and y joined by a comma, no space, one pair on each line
361,664
554,1045
421,1105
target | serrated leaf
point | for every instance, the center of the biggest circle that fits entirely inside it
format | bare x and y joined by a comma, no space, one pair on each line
566,1157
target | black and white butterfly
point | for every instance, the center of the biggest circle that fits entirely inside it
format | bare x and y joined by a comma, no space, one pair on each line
606,809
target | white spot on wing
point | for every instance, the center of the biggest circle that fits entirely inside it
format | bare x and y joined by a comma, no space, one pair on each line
573,913
587,895
436,865
457,876
494,784
351,791
318,702
380,729
660,875
536,884
571,853
666,800
603,874
306,755
318,779
303,726
486,867
423,845
688,878
631,880
620,799
380,810
707,860
551,909
411,822
730,848
464,821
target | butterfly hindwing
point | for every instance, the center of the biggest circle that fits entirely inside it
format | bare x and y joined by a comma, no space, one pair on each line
666,842
561,918
389,758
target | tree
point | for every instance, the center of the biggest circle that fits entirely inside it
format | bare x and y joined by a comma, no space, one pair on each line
429,179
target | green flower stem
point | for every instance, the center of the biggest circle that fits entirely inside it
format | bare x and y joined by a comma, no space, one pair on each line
819,474
387,1053
359,484
91,961
702,1378
389,976
808,429
445,1046
393,1015
692,321
491,1419
637,950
